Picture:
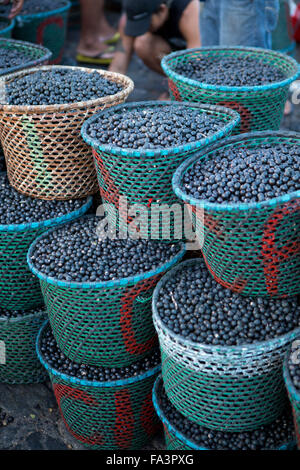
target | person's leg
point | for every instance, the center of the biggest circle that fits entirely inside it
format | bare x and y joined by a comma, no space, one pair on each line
210,23
105,29
124,50
248,22
90,44
151,49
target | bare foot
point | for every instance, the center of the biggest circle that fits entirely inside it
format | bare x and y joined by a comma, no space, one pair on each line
105,30
119,63
95,49
164,96
288,108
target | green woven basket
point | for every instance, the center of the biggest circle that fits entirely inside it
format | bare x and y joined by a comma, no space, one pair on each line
19,289
35,54
254,248
293,394
18,360
175,440
260,107
106,415
232,388
144,176
102,323
48,28
6,32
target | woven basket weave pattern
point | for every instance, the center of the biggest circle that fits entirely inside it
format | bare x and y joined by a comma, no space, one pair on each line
294,396
46,157
35,54
260,107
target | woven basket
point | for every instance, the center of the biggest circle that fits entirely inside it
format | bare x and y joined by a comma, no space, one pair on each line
48,28
106,415
35,55
17,342
232,388
175,440
294,396
46,157
19,289
102,323
144,176
254,248
7,31
261,107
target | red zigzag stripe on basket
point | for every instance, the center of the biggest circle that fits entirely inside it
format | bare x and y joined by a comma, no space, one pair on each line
124,427
238,285
271,255
174,90
64,391
127,300
57,20
245,114
147,416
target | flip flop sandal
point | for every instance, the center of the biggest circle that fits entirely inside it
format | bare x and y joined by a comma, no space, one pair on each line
99,59
113,40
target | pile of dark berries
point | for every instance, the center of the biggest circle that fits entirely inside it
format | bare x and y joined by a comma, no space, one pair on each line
240,174
56,359
150,128
15,208
76,253
294,364
230,70
59,86
10,57
9,314
193,305
5,418
270,436
31,7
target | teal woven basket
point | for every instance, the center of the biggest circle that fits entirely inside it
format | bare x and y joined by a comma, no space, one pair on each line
34,54
106,415
250,248
8,26
260,107
234,388
103,323
48,28
294,396
19,363
19,289
175,440
144,176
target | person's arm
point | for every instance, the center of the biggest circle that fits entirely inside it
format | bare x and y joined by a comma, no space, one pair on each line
189,24
16,8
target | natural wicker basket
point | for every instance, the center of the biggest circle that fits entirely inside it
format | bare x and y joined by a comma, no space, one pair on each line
232,388
17,345
293,394
35,55
102,323
45,155
175,440
250,248
48,28
106,415
7,31
144,176
19,289
261,107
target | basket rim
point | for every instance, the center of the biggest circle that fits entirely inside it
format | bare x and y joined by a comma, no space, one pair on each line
195,83
25,46
238,206
9,27
90,383
42,312
144,152
126,82
295,394
49,222
99,284
67,5
175,337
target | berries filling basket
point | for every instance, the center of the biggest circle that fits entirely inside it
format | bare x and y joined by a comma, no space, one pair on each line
34,54
234,388
260,107
6,32
175,440
102,323
106,415
47,28
19,289
293,394
144,176
45,155
18,360
250,248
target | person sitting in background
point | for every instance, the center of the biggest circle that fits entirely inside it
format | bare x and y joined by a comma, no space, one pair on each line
153,28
